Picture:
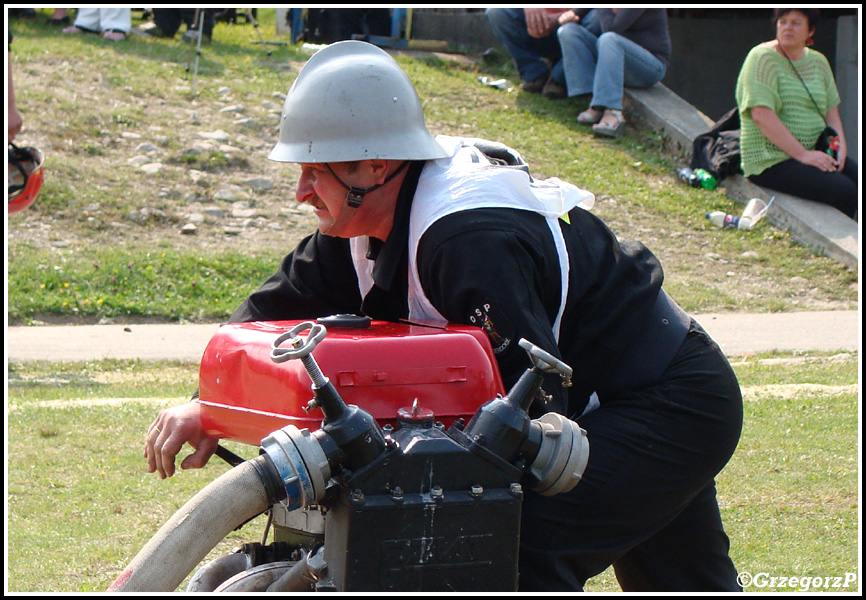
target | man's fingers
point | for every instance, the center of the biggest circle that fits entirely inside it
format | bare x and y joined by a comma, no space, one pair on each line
149,443
201,456
168,447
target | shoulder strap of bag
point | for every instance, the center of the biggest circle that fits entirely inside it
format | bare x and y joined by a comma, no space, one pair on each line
785,54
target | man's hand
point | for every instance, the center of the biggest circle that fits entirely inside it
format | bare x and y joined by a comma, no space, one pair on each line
540,22
568,16
173,428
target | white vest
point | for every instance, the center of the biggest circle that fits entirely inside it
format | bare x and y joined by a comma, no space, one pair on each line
465,181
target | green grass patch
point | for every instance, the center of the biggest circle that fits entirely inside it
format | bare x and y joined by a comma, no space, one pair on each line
163,284
790,496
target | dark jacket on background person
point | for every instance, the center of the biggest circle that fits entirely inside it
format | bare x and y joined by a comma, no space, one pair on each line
647,27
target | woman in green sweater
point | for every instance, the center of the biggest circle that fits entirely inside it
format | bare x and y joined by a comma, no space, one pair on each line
787,95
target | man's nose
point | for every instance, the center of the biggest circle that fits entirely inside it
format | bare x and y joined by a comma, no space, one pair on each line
305,187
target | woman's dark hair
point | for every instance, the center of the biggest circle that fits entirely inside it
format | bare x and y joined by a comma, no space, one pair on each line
811,15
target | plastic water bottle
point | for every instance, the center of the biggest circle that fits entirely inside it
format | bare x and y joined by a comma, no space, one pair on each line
706,179
688,176
500,84
726,221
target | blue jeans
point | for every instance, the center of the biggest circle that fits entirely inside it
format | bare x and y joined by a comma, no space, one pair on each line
604,63
532,55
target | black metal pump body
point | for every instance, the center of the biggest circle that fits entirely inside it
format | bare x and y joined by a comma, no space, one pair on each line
430,514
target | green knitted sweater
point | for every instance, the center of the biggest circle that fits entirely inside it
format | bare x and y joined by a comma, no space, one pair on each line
767,79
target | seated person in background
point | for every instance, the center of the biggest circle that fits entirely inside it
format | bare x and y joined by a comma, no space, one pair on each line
605,50
787,95
529,34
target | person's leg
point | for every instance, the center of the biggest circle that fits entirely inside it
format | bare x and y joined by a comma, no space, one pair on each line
86,19
60,16
691,553
190,17
652,454
836,189
589,22
115,22
168,20
193,20
509,26
621,63
579,56
209,21
852,173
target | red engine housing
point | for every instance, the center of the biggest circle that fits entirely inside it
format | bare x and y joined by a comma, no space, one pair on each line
245,396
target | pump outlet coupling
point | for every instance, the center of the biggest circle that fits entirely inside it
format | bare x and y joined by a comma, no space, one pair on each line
302,464
562,455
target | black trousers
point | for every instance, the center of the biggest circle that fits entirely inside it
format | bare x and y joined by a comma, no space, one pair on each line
647,502
836,188
169,20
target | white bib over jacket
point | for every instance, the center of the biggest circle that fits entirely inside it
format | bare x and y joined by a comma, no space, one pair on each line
468,180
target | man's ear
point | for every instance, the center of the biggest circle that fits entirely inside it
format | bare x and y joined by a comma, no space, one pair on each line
378,169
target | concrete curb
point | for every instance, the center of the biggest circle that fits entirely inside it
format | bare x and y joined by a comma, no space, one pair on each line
823,229
739,334
98,342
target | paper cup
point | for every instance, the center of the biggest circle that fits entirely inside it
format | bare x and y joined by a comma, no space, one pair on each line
755,209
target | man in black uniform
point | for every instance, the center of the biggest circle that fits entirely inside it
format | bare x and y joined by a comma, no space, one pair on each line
457,230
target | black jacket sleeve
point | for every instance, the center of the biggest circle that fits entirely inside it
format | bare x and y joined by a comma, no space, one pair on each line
317,279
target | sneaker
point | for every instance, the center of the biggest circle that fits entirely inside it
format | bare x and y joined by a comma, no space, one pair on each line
554,90
536,85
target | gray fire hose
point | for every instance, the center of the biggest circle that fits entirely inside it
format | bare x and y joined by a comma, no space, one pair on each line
226,503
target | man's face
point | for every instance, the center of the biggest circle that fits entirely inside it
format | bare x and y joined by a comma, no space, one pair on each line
321,190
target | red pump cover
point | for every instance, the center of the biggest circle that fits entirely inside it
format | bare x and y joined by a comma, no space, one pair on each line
451,370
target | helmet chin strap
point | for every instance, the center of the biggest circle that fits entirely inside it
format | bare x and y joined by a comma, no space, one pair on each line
354,199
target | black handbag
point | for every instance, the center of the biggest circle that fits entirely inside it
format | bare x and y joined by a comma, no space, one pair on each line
828,141
717,151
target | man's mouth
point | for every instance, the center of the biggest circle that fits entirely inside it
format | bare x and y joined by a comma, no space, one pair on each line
317,204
